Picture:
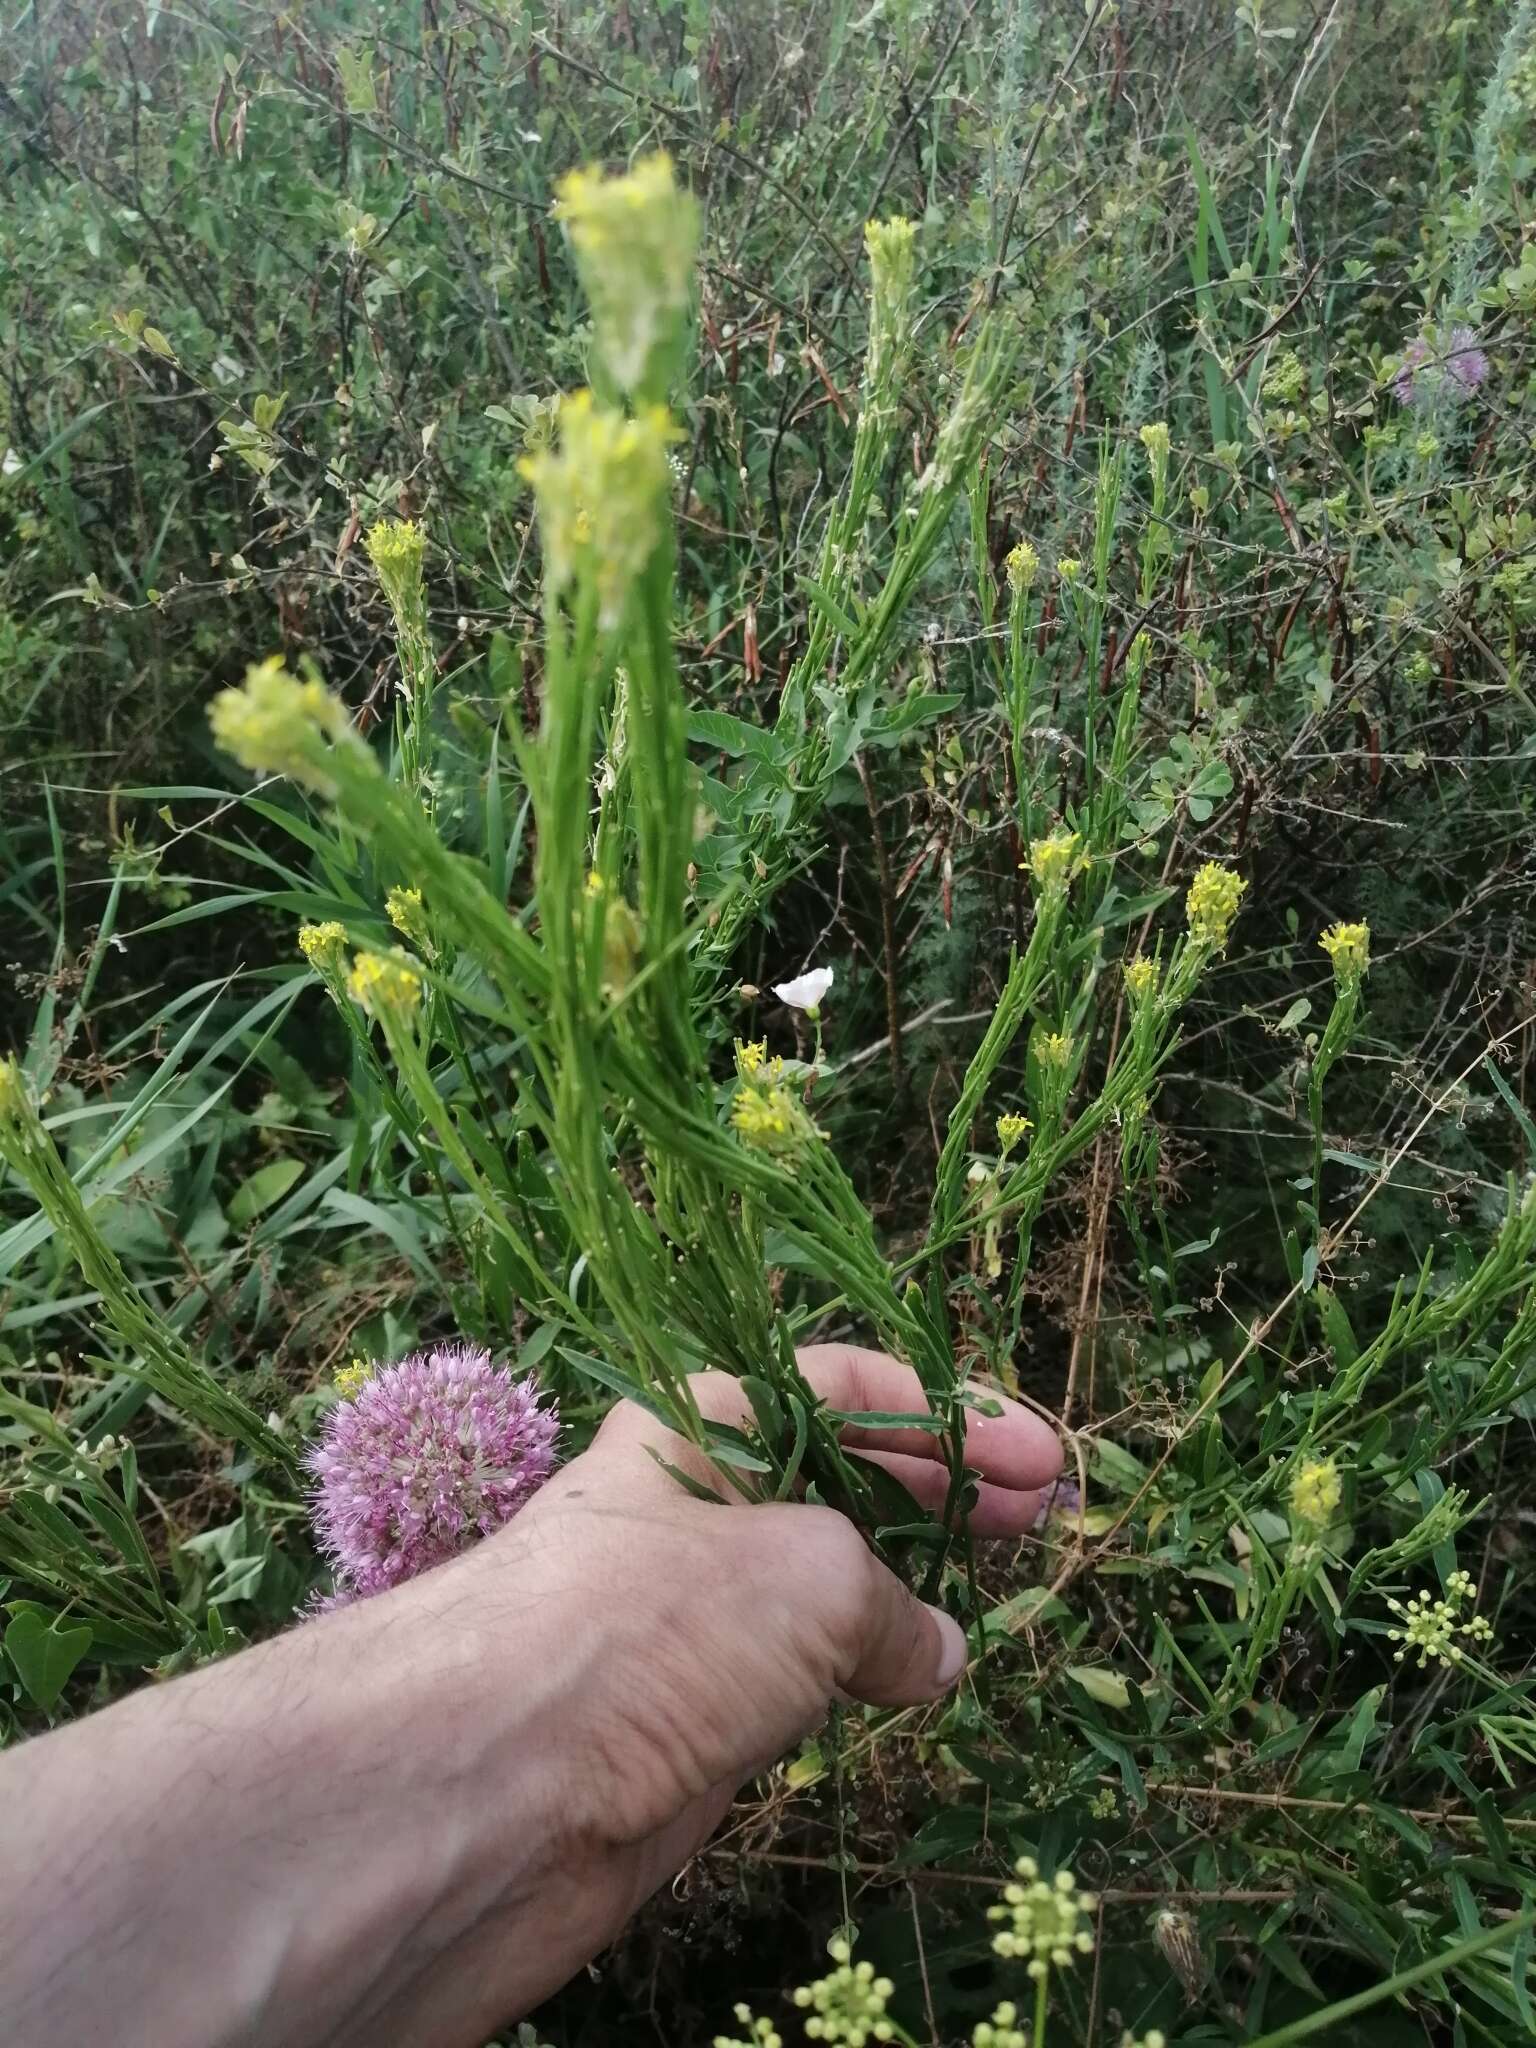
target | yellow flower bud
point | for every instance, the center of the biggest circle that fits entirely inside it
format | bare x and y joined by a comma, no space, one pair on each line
1212,903
634,238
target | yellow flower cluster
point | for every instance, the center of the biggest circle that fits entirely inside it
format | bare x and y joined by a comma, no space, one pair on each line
408,916
276,725
1054,861
385,984
1155,439
1023,565
768,1118
1212,903
1011,1127
1069,568
1142,976
350,1379
395,548
757,2034
1043,1924
1348,946
892,250
752,1056
848,2004
324,946
634,238
1054,1049
1316,1492
602,496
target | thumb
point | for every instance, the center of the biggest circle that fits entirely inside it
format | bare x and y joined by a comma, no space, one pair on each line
903,1652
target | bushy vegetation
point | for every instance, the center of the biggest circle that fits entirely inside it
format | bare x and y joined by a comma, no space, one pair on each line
1049,542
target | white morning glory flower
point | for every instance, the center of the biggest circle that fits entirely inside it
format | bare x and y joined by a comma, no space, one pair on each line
805,992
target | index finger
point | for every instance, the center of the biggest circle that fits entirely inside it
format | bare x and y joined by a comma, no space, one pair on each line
1013,1448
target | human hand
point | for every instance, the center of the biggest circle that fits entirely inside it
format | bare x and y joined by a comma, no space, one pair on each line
697,1643
414,1818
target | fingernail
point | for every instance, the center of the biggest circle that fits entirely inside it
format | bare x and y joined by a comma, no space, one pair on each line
953,1648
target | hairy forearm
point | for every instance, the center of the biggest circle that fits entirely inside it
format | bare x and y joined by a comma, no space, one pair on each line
286,1847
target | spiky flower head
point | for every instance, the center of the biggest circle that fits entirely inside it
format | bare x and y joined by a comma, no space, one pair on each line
1054,861
1022,563
848,2004
634,239
1348,946
1043,1925
1068,568
1011,1127
408,915
395,548
274,724
1440,360
420,1460
324,946
1316,1492
1142,976
602,497
1212,903
386,985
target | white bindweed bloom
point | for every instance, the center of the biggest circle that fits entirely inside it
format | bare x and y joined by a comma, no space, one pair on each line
806,991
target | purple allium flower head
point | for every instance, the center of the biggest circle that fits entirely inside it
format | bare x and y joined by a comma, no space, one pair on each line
424,1458
1432,361
1065,1499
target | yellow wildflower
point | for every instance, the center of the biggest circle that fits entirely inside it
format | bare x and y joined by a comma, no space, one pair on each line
1142,976
1155,439
602,496
1054,861
1316,1492
750,1056
766,1116
350,1379
1348,946
276,725
1054,1049
1011,1127
385,984
634,238
408,916
1023,566
1212,903
324,946
892,250
395,548
1069,568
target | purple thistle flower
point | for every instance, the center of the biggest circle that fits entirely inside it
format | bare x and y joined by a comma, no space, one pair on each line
423,1459
1430,363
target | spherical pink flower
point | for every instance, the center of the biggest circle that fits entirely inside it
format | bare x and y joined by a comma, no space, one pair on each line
1432,361
426,1457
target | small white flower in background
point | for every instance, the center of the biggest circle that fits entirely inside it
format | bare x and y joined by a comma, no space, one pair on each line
805,992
